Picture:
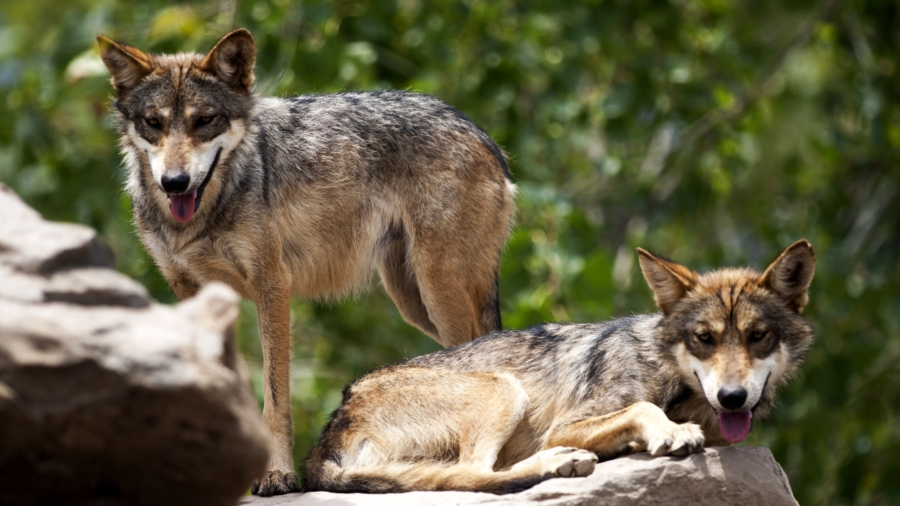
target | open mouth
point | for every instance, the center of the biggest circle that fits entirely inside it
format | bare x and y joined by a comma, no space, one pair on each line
735,425
183,206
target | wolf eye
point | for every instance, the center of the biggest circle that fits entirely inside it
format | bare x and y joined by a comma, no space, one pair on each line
758,335
152,122
205,120
703,337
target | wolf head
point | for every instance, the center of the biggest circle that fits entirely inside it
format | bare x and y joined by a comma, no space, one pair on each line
738,333
181,115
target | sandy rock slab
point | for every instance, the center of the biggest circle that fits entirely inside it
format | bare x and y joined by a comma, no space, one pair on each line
107,397
742,475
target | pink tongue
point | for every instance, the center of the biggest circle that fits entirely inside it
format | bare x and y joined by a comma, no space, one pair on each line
182,206
735,426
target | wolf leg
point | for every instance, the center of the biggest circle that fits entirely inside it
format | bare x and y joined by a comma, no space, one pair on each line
273,308
397,477
496,419
558,461
481,448
446,288
400,281
456,225
458,284
380,454
641,426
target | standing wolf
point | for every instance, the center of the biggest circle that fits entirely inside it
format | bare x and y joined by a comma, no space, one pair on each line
512,409
308,196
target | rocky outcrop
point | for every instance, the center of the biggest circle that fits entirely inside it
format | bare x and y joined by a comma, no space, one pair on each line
109,398
719,476
105,396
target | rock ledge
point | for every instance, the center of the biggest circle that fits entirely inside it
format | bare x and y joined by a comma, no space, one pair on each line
736,475
107,397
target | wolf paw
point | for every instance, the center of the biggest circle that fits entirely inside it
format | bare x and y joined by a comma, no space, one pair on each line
675,439
275,483
566,462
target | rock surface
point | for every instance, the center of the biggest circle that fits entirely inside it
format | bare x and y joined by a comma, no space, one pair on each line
105,396
744,475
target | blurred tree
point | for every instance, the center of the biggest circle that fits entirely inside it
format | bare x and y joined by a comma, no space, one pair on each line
711,131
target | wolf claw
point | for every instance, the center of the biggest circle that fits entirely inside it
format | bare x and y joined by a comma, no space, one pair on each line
275,483
677,440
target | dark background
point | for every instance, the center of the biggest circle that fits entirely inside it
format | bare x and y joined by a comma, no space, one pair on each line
714,132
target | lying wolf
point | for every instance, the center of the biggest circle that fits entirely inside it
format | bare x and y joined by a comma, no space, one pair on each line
509,410
308,196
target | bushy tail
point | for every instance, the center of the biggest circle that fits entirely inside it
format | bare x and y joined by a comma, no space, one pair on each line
400,477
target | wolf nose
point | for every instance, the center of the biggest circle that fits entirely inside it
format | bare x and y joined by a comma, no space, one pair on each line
732,398
175,184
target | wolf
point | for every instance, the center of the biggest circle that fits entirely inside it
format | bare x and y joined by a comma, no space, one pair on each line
509,410
308,196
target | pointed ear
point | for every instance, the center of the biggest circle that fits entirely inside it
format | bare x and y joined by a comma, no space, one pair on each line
668,280
232,60
128,65
790,274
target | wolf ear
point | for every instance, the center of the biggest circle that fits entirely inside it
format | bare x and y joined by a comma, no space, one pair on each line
232,60
790,274
668,280
128,65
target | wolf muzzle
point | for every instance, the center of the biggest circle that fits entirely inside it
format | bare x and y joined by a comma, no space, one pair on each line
184,205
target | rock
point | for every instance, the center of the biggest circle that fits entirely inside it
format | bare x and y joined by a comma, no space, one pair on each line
727,475
105,396
95,287
32,245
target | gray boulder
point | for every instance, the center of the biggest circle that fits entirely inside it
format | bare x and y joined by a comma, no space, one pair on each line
735,475
105,396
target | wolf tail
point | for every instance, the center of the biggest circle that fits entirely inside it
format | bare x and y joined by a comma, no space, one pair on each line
405,477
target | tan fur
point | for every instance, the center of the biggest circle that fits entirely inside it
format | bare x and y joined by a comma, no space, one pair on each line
481,411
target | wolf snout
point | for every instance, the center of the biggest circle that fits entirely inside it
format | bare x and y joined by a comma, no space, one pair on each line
732,398
175,183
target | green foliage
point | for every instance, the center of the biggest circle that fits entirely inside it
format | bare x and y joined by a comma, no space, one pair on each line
713,132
